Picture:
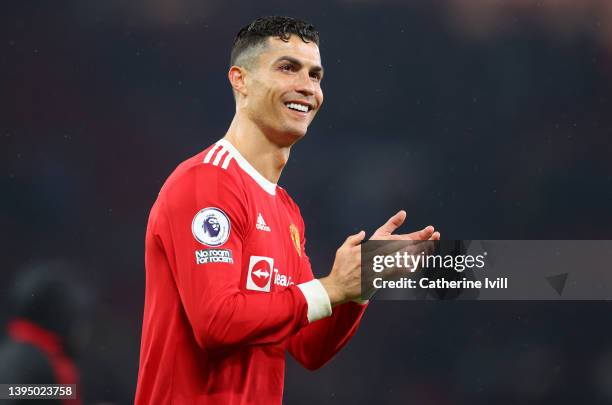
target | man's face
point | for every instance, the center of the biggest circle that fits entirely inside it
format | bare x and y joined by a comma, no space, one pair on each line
284,88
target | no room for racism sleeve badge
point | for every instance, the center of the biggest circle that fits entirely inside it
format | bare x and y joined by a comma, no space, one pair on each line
295,237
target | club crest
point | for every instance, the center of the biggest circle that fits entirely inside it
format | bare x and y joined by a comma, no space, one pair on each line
295,237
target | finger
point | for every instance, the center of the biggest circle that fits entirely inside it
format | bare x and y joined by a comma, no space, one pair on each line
423,234
435,236
354,240
392,224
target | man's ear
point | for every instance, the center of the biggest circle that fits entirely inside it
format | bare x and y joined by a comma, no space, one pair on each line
237,78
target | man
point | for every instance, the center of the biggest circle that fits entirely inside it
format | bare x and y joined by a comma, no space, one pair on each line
229,285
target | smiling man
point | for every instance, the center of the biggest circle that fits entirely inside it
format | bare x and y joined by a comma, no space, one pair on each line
229,287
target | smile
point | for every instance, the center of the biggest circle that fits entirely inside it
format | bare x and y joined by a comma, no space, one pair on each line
298,107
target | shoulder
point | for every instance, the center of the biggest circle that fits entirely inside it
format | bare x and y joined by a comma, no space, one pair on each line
199,188
202,175
286,198
290,203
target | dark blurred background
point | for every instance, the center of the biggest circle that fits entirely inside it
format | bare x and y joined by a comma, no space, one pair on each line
488,119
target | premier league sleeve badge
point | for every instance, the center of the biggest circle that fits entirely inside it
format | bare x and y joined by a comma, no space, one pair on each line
211,226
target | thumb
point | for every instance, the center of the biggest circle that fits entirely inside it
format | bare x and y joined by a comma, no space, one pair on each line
392,224
354,240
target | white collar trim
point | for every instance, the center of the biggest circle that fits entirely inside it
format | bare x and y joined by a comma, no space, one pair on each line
266,184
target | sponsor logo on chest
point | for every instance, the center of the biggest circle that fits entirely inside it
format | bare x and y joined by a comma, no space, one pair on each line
262,274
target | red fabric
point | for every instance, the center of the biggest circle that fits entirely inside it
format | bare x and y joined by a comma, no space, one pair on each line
210,334
64,368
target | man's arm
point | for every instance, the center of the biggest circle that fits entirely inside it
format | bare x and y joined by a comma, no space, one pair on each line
318,342
221,315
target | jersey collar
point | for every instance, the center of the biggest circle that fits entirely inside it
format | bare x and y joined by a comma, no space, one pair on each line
266,184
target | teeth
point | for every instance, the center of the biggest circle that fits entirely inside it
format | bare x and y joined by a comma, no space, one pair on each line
299,107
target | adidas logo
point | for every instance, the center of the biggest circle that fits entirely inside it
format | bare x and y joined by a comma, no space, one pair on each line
261,224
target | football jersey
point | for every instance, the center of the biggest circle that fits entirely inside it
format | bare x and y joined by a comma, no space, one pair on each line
229,288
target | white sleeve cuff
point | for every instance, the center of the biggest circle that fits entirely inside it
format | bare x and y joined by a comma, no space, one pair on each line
319,306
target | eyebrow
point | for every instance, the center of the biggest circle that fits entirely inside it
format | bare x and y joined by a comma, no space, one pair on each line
315,68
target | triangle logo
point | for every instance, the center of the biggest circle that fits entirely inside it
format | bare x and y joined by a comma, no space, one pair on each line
261,224
557,282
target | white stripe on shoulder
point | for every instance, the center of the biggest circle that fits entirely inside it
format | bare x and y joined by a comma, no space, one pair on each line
219,156
226,161
267,185
219,152
210,153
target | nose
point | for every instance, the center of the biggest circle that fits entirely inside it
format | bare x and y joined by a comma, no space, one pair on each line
305,86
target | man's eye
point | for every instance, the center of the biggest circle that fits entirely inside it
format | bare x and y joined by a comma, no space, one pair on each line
286,68
315,76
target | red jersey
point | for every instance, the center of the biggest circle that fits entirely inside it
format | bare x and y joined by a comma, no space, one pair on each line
229,288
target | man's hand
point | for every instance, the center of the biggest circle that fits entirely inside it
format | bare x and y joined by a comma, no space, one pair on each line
385,232
344,281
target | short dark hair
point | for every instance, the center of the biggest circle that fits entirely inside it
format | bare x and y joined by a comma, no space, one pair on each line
256,33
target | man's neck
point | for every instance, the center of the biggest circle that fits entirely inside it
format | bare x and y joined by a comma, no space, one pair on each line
265,156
